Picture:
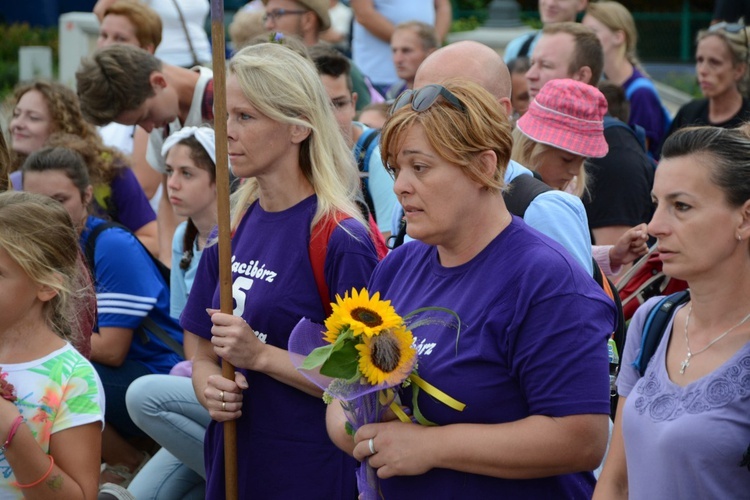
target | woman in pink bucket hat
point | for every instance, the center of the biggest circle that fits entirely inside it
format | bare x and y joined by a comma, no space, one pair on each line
563,126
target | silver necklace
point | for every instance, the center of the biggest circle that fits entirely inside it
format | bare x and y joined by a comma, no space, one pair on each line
690,354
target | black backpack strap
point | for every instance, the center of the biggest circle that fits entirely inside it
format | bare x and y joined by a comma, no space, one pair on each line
148,322
526,47
654,326
521,192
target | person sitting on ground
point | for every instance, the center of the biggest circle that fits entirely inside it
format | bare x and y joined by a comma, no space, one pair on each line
125,84
134,335
52,409
165,406
133,23
43,109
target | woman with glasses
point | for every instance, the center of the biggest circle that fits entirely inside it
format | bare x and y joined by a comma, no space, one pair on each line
299,178
529,361
721,61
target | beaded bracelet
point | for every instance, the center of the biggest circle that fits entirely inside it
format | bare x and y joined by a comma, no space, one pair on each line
31,485
13,428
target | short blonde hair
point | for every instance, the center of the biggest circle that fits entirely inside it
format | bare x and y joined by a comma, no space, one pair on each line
285,87
457,136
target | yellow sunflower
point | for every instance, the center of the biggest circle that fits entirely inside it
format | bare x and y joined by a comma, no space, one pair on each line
362,314
387,357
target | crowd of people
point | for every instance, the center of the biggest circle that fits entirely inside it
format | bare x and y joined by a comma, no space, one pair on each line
514,191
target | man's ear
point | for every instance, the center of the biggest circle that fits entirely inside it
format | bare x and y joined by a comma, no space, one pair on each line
583,74
355,96
157,80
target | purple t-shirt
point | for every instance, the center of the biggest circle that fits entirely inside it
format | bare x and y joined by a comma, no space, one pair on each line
132,207
646,111
284,450
533,341
684,442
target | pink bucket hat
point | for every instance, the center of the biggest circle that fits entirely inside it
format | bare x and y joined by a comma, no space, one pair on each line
569,115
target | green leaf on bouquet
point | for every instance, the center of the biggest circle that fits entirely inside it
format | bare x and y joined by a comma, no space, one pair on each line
343,362
317,357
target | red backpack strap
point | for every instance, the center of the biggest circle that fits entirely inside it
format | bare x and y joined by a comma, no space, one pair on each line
377,238
207,105
318,249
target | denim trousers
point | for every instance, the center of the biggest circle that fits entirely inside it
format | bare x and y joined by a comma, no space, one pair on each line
166,408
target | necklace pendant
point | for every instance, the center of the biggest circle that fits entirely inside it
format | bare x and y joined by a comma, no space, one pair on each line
684,365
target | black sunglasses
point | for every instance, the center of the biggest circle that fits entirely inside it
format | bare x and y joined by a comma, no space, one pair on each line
423,98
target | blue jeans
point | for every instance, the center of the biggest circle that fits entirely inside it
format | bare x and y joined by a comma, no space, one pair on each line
116,381
166,408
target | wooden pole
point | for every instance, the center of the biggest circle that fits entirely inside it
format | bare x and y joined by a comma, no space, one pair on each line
225,249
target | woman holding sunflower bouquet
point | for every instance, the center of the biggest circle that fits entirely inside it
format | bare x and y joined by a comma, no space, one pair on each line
530,359
284,140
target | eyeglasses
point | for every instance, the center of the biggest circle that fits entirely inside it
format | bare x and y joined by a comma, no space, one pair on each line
424,98
274,15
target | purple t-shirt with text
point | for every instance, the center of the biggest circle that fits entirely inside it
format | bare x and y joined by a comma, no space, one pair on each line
284,450
533,341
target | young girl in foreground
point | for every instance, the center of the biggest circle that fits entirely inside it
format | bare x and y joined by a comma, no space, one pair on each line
51,425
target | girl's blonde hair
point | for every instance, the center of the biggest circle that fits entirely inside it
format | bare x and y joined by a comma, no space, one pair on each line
531,154
39,236
285,87
457,136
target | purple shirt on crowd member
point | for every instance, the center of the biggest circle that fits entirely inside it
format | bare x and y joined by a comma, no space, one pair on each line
128,204
646,111
533,341
284,448
684,442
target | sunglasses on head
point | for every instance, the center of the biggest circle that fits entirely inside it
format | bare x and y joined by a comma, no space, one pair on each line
731,28
422,99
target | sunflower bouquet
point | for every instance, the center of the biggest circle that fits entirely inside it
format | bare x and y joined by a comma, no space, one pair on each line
360,355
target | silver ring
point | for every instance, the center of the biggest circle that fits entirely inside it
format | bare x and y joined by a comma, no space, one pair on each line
221,396
371,444
224,406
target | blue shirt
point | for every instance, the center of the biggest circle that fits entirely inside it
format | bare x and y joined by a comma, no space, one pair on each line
129,288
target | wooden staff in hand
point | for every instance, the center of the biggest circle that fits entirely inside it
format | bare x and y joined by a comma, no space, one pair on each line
225,250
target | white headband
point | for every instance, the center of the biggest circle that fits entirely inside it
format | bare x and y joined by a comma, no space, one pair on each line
204,135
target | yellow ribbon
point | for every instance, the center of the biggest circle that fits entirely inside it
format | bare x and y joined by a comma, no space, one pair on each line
437,393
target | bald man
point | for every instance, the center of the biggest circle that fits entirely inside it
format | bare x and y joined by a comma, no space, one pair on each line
559,215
